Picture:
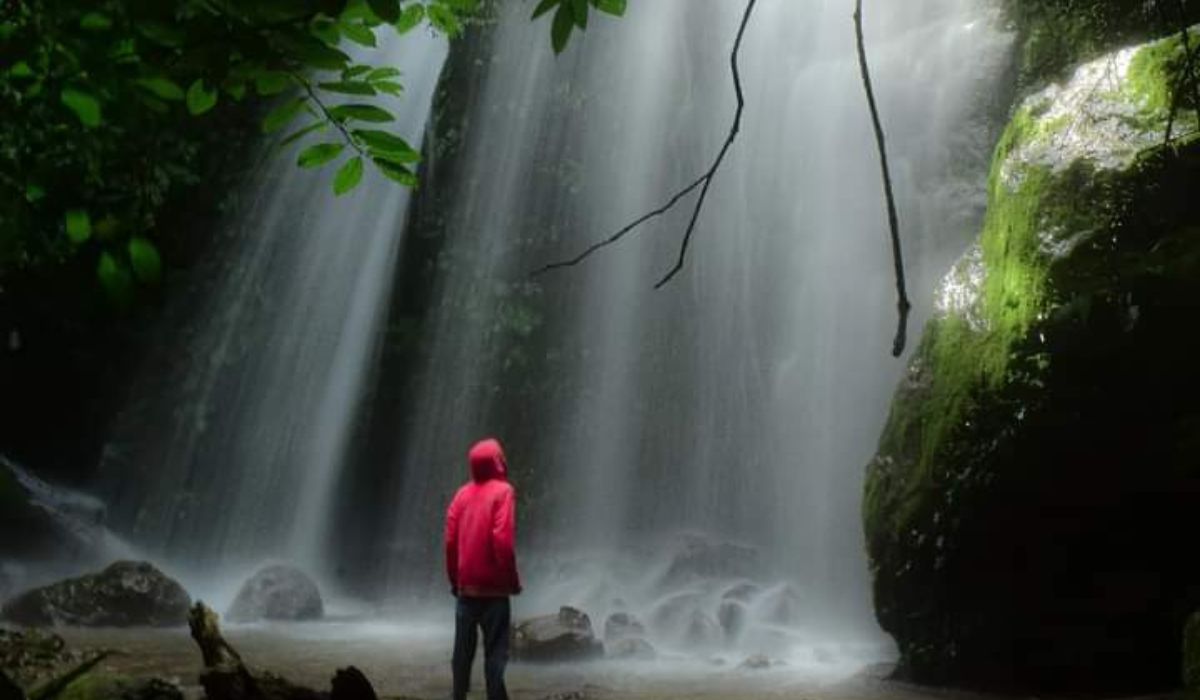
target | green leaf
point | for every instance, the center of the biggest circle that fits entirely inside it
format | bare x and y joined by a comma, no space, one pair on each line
319,154
235,89
162,88
560,31
326,30
79,225
95,22
386,10
147,265
396,172
383,73
391,87
34,193
272,82
86,107
312,51
348,87
115,279
162,34
612,7
355,71
200,99
382,143
443,19
21,69
282,115
359,34
579,10
411,17
362,113
543,7
297,135
348,176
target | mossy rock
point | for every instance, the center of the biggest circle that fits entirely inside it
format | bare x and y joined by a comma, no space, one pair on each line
1041,456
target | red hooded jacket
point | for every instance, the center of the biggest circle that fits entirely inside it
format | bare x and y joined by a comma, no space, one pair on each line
480,537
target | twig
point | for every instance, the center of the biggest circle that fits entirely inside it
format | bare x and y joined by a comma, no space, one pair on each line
703,182
312,95
902,304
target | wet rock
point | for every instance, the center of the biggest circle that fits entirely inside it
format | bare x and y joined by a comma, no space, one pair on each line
695,556
126,594
277,592
631,648
564,636
1038,465
756,662
622,625
351,684
38,520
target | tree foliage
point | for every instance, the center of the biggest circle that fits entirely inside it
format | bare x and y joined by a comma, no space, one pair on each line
106,109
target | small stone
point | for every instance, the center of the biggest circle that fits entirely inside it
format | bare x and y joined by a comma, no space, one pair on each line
277,592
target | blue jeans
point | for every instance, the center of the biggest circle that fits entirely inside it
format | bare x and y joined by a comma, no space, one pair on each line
493,616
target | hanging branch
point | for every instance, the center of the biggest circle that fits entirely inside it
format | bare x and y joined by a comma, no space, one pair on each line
902,304
703,182
1185,76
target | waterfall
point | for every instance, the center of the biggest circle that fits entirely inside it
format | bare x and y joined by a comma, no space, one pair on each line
231,447
739,404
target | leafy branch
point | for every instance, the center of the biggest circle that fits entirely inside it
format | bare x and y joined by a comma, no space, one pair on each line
704,182
902,304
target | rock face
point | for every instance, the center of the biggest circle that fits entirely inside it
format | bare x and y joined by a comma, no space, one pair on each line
565,636
1041,459
126,594
277,592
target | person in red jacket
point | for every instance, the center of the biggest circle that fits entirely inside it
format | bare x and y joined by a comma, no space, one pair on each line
481,563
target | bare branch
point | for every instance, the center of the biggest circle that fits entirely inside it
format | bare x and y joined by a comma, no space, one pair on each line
1186,75
703,182
902,304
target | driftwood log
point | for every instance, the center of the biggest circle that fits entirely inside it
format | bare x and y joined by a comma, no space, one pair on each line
226,676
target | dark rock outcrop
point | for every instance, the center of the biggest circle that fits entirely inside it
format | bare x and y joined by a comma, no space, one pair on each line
564,636
277,592
1040,462
125,594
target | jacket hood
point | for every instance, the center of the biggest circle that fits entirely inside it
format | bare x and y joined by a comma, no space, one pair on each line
486,458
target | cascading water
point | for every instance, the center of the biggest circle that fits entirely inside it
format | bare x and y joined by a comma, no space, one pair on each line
235,458
744,398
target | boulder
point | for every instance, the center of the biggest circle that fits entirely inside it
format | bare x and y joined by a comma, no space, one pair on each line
125,594
1039,463
1191,654
630,648
622,625
277,592
564,636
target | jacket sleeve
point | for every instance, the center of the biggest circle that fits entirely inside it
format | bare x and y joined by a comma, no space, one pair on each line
504,525
451,542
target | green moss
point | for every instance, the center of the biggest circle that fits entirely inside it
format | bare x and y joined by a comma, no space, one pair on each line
1191,654
1154,75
